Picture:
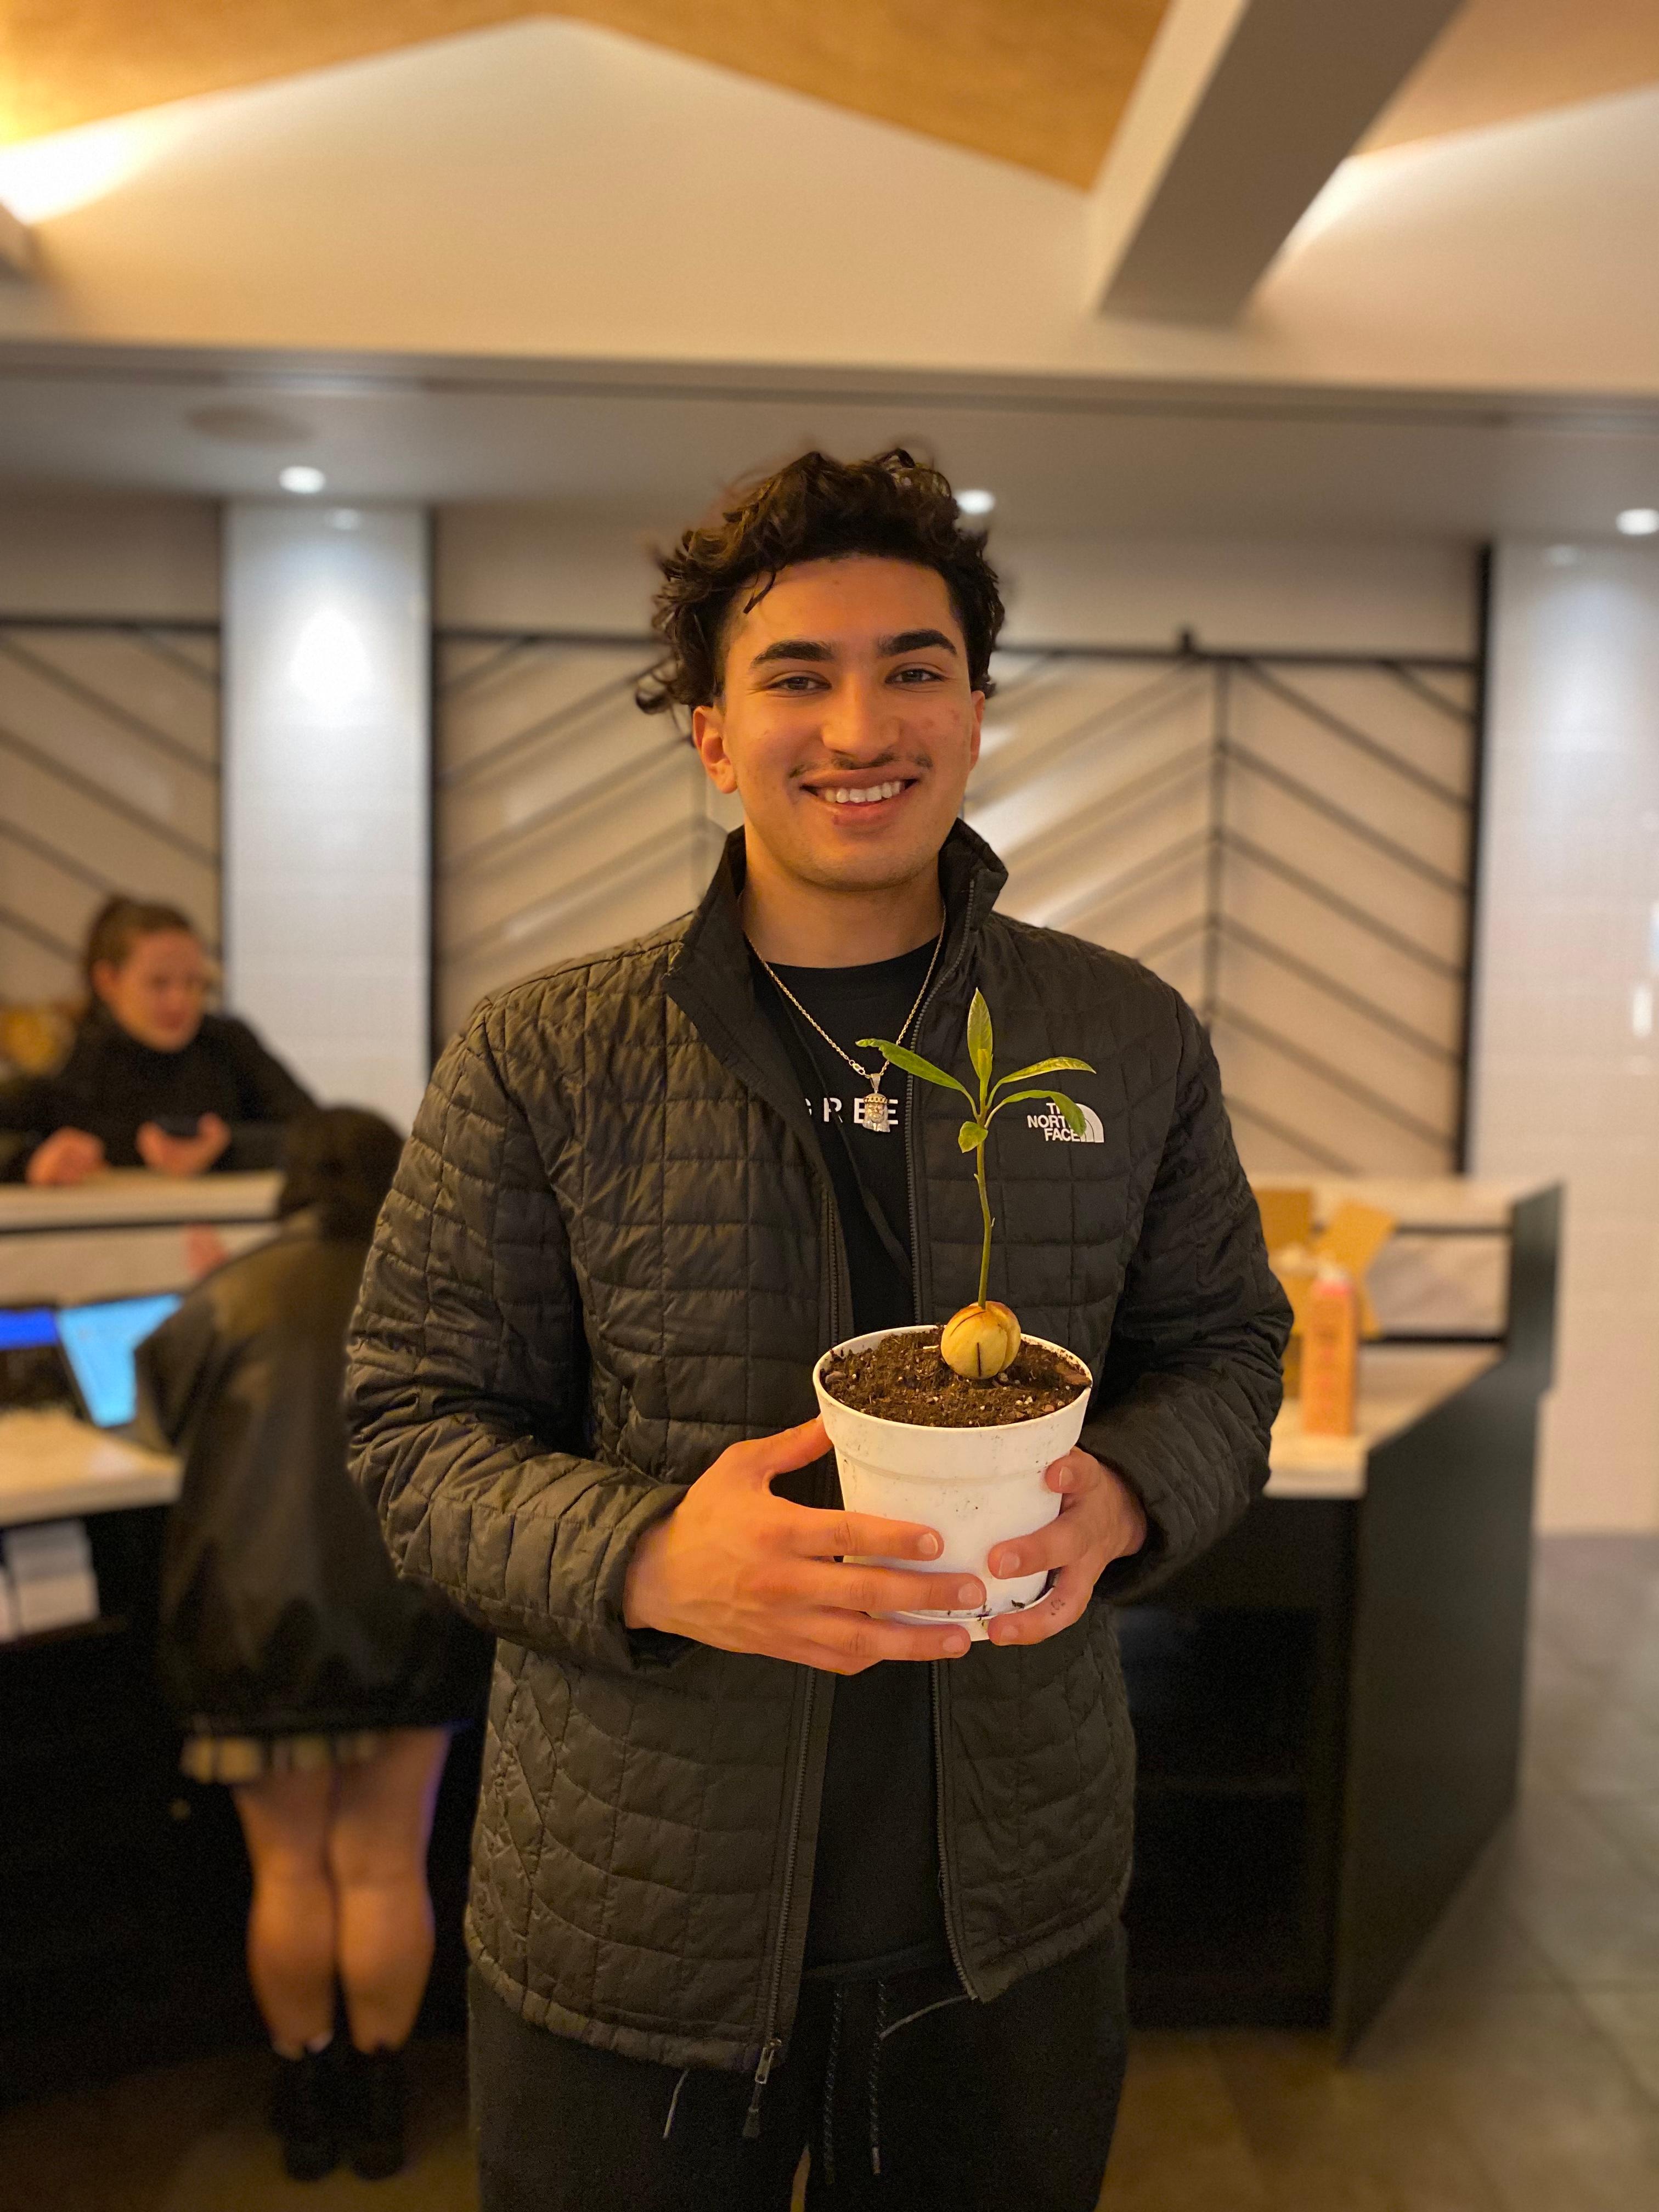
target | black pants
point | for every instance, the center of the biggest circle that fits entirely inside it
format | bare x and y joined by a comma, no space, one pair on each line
909,2097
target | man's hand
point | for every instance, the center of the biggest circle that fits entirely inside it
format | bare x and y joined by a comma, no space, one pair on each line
1100,1520
68,1156
182,1156
734,1566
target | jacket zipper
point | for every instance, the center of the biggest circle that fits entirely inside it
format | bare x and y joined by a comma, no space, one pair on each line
771,2042
936,1670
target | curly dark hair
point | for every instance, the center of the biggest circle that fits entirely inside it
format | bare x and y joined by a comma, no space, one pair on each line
814,508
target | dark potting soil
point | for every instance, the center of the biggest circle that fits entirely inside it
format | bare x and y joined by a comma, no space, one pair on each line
904,1378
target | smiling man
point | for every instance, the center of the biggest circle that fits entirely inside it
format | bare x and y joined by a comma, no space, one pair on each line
759,1871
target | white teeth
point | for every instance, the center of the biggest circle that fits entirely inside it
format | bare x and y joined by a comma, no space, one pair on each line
862,798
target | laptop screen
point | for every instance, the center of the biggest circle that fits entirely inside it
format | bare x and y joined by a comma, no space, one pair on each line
27,1328
99,1342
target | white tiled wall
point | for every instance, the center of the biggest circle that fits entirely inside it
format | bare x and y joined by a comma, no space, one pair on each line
1566,1060
327,768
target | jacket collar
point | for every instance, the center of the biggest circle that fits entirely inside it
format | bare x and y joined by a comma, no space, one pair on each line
710,979
971,878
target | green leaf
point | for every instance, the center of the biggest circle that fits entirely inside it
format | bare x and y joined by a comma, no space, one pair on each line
912,1064
1070,1112
981,1049
1041,1067
971,1136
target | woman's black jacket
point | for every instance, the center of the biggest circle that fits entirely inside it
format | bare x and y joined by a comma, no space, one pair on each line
280,1609
110,1085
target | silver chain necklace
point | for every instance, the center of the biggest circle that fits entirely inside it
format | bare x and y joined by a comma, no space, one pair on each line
875,1111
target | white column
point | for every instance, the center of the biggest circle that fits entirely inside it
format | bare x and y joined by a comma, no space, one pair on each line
1566,1053
327,750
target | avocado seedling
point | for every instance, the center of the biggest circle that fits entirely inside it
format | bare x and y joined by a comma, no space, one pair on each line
980,1340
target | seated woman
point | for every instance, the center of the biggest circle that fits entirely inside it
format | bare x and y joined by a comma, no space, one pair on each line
153,1079
312,1680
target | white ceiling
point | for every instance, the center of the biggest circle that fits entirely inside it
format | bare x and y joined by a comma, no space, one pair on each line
1066,457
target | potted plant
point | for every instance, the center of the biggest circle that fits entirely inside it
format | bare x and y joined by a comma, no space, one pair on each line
956,1427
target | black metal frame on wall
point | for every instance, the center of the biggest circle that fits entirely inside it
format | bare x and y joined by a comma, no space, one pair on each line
1289,837
109,734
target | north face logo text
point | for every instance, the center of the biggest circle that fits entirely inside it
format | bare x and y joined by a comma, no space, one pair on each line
1055,1132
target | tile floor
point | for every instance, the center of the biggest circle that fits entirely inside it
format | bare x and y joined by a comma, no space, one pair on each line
1518,2070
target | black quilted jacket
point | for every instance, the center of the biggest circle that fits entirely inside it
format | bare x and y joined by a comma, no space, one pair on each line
612,1250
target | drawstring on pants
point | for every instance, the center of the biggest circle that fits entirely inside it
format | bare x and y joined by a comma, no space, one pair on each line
876,2041
829,2066
674,2104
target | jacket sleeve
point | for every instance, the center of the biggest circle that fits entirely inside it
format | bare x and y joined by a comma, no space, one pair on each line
174,1364
1185,1403
466,1383
269,1092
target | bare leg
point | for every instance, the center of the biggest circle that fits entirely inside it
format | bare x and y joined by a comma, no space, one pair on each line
291,1930
377,1844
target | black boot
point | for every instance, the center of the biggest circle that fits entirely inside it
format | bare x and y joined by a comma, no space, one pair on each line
374,2112
302,2113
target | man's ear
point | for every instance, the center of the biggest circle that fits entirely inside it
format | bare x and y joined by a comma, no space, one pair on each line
979,732
708,736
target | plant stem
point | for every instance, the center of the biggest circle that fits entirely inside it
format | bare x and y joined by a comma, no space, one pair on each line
985,1212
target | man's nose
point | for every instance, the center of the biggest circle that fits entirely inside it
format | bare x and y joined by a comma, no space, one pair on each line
860,724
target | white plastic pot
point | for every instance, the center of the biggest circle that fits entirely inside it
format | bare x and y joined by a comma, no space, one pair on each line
978,1487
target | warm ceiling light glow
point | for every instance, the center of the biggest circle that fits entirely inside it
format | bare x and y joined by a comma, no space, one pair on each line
301,477
1639,521
977,503
41,177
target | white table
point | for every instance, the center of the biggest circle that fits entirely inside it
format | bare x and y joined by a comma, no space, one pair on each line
56,1467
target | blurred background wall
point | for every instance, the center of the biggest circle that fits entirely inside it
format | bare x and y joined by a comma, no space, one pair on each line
1328,685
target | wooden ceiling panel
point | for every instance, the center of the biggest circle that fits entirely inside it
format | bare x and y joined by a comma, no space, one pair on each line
1040,83
1501,59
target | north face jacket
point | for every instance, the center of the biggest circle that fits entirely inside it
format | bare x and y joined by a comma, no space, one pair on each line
612,1249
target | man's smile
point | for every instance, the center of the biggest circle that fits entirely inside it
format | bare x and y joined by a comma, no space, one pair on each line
872,796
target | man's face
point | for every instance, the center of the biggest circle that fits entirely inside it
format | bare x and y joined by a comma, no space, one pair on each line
847,727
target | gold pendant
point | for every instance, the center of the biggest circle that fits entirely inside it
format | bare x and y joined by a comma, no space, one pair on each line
876,1113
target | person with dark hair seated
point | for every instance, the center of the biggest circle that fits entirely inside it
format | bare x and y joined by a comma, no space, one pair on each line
152,1080
310,1679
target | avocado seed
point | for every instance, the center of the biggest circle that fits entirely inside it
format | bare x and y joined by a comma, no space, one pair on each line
979,1341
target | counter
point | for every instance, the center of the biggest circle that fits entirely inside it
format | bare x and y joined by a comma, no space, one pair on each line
1327,1703
53,1466
1400,1384
126,1233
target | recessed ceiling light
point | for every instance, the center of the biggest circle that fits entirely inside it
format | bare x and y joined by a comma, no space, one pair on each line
301,477
1639,521
977,503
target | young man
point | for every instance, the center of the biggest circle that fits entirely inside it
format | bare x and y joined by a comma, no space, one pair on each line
758,1869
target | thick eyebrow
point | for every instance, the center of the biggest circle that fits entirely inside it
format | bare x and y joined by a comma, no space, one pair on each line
794,648
813,648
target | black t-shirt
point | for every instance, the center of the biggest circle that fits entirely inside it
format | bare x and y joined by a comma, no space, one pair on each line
876,1906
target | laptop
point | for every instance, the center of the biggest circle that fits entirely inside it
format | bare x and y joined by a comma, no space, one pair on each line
98,1343
31,1363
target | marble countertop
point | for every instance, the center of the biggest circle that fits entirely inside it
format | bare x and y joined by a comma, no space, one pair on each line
1398,1384
1417,1203
54,1465
133,1198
